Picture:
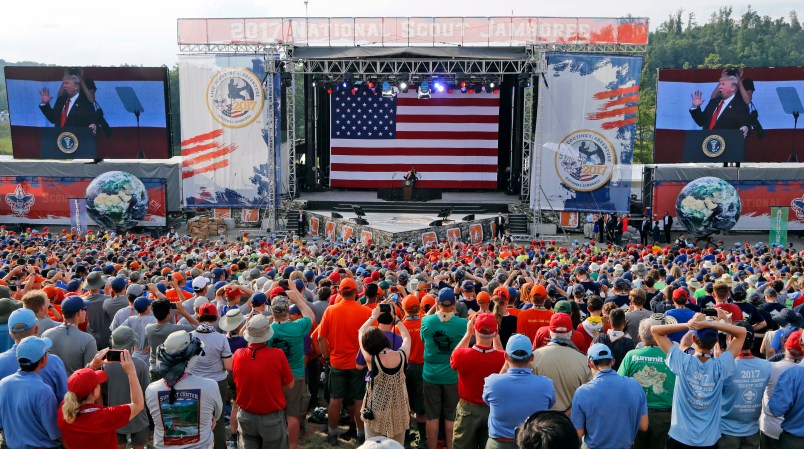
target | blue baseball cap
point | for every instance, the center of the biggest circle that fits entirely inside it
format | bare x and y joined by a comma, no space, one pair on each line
119,284
31,349
258,299
142,303
519,347
706,333
21,320
73,305
446,296
599,351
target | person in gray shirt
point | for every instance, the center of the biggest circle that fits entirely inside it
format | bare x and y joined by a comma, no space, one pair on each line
143,318
157,333
38,302
74,347
115,391
322,303
118,300
636,313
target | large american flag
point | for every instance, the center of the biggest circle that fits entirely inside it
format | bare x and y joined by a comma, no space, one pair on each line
450,139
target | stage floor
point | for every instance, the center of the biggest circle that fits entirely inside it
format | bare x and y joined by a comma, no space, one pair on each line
370,196
394,223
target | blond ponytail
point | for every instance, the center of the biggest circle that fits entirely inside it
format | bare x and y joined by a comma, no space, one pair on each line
70,407
498,309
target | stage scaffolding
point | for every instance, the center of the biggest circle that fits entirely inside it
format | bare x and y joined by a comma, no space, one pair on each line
288,37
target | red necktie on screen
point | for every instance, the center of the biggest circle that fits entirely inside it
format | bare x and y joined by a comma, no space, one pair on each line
714,116
64,112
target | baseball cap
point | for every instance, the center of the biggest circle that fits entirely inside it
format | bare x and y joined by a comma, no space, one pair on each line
73,305
486,324
410,302
468,285
347,285
32,349
118,284
706,333
199,283
560,323
519,347
258,299
563,307
483,298
21,320
83,381
446,296
7,306
135,290
793,344
208,309
142,303
381,443
428,300
680,293
599,351
538,292
280,305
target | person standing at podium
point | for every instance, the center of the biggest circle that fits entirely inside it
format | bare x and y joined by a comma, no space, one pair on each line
723,112
72,107
411,176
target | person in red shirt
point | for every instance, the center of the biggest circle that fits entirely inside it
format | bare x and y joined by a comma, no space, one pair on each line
529,321
84,423
473,365
721,294
543,334
260,373
413,375
338,339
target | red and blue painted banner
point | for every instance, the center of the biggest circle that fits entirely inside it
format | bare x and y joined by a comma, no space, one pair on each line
756,198
46,200
585,135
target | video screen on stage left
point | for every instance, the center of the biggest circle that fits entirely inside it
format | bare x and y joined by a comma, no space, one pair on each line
753,109
88,112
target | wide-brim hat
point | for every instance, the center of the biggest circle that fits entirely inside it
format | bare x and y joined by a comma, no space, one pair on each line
258,330
232,320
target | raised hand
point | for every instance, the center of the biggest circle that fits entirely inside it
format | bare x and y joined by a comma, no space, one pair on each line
45,94
697,99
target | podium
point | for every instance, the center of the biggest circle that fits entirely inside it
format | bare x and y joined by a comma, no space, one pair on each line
67,143
407,190
714,146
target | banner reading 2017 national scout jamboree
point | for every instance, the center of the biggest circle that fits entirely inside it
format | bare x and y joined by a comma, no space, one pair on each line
224,130
585,134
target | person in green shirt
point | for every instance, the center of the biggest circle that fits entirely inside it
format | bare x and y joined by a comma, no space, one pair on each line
647,365
289,337
441,332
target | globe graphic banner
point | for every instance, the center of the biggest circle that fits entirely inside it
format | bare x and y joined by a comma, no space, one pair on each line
117,200
707,205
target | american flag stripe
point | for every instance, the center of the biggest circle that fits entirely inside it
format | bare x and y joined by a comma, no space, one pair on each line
202,137
451,140
209,156
206,169
205,153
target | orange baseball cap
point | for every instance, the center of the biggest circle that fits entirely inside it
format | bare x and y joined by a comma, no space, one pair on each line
177,276
538,291
483,298
348,285
428,300
410,303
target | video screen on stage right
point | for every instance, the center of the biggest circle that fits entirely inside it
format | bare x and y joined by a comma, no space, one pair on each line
729,115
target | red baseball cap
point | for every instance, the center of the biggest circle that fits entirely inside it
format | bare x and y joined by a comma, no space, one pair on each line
560,323
680,293
83,382
793,344
276,291
208,309
486,324
335,277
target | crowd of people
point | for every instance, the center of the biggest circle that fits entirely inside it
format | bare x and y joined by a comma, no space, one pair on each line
113,340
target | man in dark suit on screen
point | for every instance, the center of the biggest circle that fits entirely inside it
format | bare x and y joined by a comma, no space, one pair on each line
72,108
722,112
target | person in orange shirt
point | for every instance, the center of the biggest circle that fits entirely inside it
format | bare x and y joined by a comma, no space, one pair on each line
338,340
413,375
176,294
530,320
484,301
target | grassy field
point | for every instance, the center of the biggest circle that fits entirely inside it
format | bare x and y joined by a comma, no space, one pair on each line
5,145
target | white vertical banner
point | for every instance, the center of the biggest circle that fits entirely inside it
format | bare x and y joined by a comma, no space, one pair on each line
585,133
224,128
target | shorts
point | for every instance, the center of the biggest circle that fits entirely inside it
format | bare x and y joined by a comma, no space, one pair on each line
415,385
139,438
347,384
440,400
297,398
733,442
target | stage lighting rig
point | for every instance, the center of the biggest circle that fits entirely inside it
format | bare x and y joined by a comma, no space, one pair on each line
424,91
387,90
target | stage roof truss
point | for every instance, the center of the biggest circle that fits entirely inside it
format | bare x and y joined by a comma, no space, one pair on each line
386,67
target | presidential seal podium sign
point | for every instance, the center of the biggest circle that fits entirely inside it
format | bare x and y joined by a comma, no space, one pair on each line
714,145
67,143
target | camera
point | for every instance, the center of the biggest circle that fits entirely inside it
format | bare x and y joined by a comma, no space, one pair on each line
367,414
710,313
113,355
385,308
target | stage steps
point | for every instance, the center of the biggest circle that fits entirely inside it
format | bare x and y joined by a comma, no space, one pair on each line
518,223
406,207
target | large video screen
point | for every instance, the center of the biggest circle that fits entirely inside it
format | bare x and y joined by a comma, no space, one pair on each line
777,93
88,112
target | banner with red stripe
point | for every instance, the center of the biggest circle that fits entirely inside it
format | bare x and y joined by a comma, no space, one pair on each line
450,139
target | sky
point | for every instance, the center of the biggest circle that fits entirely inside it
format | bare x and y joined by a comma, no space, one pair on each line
143,32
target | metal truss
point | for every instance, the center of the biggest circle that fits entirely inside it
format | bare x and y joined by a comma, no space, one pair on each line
231,48
527,141
290,118
270,138
386,67
589,48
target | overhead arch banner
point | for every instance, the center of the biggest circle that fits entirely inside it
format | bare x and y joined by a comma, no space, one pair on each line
585,133
224,131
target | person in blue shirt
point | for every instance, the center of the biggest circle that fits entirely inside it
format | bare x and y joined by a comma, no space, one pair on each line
22,324
698,392
28,407
742,396
7,305
504,392
787,400
681,313
609,410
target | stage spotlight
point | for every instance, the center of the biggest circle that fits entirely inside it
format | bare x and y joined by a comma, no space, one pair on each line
436,223
449,91
463,88
361,221
329,91
524,79
492,85
471,91
439,86
336,215
424,91
469,217
387,90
